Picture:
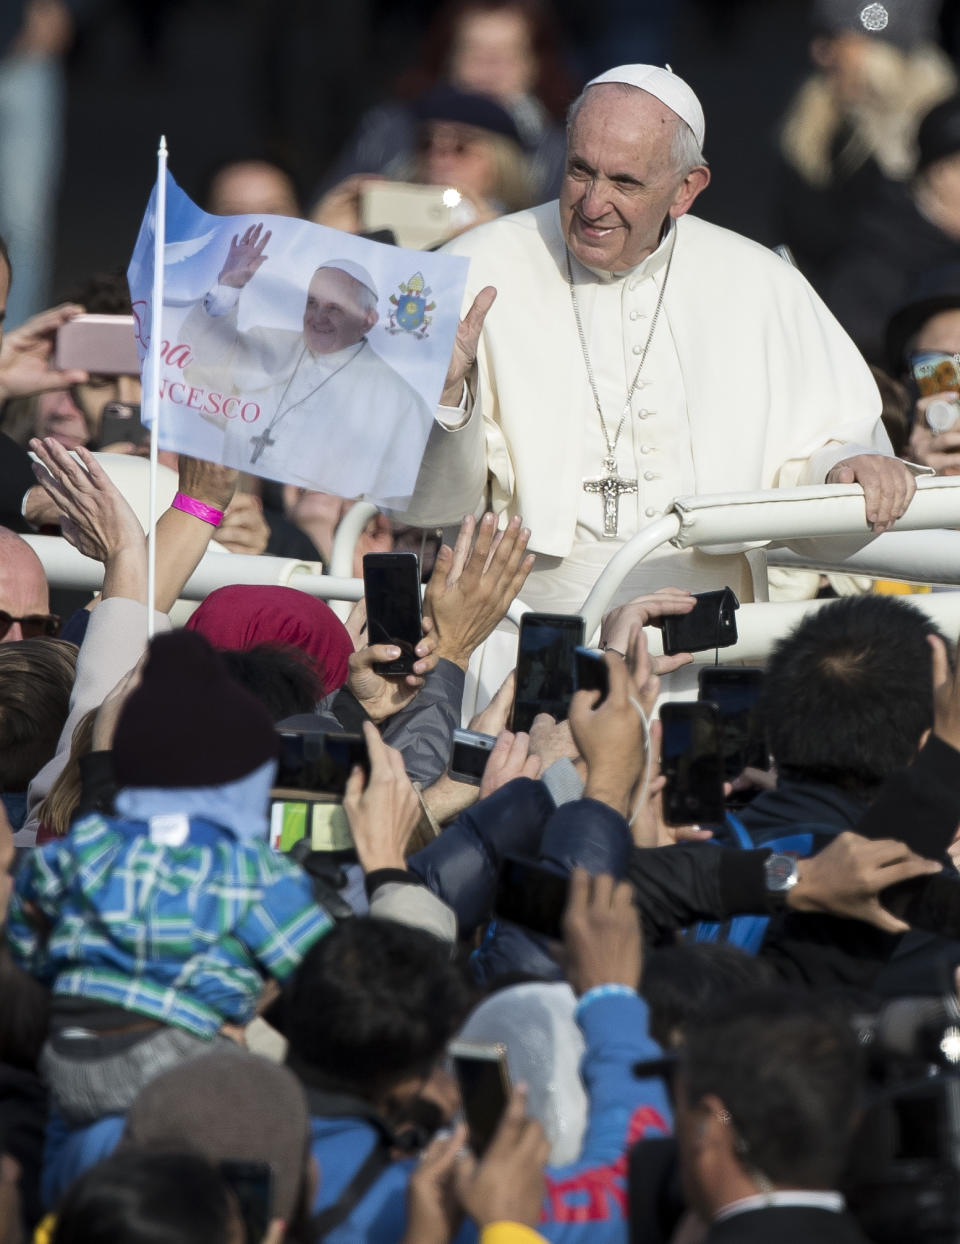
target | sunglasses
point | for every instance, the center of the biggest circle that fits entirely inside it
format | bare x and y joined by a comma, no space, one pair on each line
33,626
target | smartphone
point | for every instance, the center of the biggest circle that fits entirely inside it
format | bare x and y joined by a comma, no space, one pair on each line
590,673
319,762
545,657
391,588
532,896
252,1184
711,623
935,372
104,345
121,422
469,755
420,217
484,1080
735,690
692,763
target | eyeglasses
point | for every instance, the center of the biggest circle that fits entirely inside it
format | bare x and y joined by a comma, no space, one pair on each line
32,626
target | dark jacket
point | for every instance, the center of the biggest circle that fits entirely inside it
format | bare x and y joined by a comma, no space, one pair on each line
787,1224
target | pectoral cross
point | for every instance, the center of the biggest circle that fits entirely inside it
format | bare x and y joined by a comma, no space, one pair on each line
611,487
259,443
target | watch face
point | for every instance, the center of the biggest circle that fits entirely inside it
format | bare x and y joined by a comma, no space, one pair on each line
781,872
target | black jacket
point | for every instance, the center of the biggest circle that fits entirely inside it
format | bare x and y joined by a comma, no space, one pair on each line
786,1224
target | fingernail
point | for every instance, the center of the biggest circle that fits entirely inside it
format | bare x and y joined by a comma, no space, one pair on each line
393,652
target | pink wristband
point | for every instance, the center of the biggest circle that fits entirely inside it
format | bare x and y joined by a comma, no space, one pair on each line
190,505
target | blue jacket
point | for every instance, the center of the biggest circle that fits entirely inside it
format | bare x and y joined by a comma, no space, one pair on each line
586,1202
461,866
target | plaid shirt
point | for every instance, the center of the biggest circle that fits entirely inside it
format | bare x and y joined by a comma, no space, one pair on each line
183,934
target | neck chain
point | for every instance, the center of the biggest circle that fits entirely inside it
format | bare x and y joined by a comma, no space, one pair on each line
259,443
612,445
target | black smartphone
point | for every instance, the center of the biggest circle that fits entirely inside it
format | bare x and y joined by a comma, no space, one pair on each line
711,623
532,896
691,761
121,422
590,673
391,588
252,1184
545,666
484,1080
469,755
318,761
735,690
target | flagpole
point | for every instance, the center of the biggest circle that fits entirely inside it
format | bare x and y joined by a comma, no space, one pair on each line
152,396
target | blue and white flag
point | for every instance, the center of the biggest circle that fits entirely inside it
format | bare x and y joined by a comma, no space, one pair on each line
294,351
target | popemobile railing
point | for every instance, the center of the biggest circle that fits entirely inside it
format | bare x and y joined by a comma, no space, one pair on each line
825,527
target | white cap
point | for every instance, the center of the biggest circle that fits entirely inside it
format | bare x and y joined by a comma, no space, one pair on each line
664,85
357,271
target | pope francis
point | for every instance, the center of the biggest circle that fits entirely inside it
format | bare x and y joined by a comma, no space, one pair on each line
634,354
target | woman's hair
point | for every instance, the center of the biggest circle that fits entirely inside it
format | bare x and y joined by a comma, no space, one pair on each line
514,183
139,1197
553,84
36,678
56,811
280,676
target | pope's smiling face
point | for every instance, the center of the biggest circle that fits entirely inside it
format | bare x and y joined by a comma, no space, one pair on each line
621,182
339,311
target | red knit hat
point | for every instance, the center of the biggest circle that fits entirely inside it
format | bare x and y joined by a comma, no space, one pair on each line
189,723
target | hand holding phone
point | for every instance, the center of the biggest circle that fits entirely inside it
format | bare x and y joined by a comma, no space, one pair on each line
469,754
484,1080
610,737
384,811
602,933
710,624
391,588
590,673
691,762
545,655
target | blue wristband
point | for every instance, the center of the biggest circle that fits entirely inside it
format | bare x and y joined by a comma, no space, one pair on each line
603,991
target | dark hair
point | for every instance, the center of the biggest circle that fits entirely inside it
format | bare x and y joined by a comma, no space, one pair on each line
848,693
24,1016
787,1067
553,85
679,982
36,678
104,293
280,676
896,412
371,1004
139,1197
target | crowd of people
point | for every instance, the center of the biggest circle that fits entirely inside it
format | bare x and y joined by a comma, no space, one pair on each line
215,1027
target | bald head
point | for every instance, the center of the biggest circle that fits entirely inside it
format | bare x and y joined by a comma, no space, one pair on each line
23,585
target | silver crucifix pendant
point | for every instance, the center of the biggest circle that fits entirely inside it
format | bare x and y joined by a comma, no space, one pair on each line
611,487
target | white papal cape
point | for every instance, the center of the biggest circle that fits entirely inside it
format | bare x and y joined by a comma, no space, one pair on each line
775,391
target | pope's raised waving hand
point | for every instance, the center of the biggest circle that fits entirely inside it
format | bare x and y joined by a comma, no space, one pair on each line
465,347
244,257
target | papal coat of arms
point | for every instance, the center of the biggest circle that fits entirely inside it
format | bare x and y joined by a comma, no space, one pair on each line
409,311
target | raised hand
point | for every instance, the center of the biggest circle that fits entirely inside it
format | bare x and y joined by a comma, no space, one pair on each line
245,257
383,813
27,351
602,933
473,585
465,347
648,610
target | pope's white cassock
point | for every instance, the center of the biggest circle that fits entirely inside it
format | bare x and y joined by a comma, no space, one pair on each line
344,422
749,383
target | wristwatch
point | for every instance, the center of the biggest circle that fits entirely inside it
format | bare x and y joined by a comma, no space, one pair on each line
781,875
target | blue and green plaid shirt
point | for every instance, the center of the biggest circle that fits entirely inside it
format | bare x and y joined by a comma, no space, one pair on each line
184,934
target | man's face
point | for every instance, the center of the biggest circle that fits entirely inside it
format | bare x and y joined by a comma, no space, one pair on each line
93,396
335,316
620,184
23,587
